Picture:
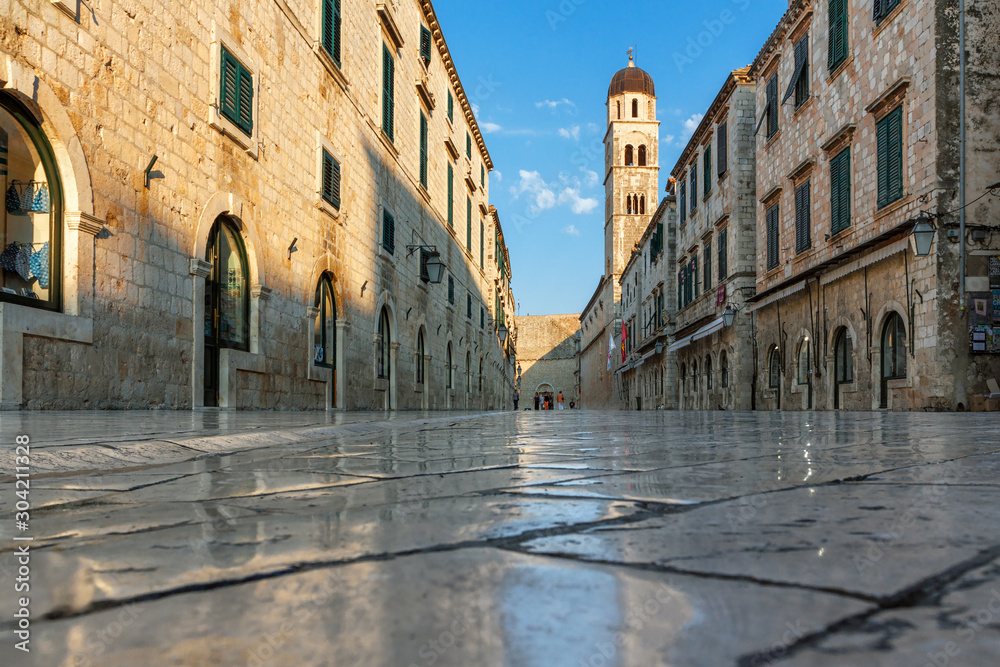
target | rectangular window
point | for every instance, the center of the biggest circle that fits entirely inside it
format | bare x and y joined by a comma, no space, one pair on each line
890,158
423,150
723,148
840,191
468,145
680,289
708,169
451,196
683,206
803,218
772,106
388,100
694,276
482,243
331,29
838,34
883,8
388,232
331,180
468,224
723,255
468,306
482,175
425,44
772,237
236,93
482,317
799,83
708,265
451,107
451,290
694,186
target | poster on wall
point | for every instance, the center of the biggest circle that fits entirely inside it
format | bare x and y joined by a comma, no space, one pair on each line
984,321
994,273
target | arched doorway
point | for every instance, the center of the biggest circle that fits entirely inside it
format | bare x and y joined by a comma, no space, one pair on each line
227,301
843,363
325,331
546,393
893,355
804,368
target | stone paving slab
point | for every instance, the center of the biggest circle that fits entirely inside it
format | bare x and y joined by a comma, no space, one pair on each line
779,538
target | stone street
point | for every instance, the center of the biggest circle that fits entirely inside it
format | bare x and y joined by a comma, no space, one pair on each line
532,538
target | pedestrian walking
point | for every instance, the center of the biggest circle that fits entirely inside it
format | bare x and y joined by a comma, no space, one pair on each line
560,399
537,400
516,398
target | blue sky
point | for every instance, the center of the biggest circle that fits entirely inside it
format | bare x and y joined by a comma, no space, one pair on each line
538,74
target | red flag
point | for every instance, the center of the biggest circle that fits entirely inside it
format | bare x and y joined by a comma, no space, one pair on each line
624,336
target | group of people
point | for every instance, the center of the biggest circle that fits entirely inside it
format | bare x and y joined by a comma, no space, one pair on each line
545,401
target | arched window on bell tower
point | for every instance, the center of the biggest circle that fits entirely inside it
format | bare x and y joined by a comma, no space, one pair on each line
628,156
628,204
619,110
642,156
635,108
642,205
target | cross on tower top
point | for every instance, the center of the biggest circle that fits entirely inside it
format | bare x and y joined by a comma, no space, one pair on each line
630,57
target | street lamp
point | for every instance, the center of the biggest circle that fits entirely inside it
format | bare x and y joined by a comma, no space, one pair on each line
729,315
431,266
659,347
502,332
922,236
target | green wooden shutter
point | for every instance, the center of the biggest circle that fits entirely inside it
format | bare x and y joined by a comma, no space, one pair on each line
331,29
425,44
708,169
482,245
327,177
803,240
468,305
451,107
772,237
723,149
772,106
388,232
683,206
423,150
451,290
723,256
840,191
468,224
838,33
229,91
482,175
895,147
468,145
694,185
336,184
451,196
708,265
388,101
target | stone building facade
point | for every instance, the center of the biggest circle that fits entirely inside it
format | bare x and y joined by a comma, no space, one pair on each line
237,205
646,372
631,189
858,139
715,260
548,348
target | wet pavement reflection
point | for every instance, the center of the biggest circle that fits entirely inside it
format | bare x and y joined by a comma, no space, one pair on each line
569,538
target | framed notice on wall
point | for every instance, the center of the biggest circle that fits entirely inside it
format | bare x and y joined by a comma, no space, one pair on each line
984,320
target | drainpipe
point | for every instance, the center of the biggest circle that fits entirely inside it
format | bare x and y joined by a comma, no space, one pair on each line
961,155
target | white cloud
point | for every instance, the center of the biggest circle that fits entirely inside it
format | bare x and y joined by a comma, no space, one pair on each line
542,196
690,125
571,230
577,204
497,174
553,104
572,132
475,109
669,139
490,128
590,178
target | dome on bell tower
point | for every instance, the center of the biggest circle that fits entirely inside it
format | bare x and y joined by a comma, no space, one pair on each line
631,80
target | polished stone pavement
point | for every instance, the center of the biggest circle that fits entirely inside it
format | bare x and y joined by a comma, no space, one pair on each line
537,538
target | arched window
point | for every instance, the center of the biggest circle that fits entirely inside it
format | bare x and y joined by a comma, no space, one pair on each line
642,205
694,375
635,108
642,156
325,329
619,110
629,159
227,301
774,369
480,374
468,372
724,369
708,371
843,363
683,377
803,365
893,353
449,373
420,358
384,344
32,255
628,204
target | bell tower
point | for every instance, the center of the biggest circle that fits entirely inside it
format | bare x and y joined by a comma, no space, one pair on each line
631,165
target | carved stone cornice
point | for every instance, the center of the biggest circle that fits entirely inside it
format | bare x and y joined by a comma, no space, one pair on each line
261,292
200,268
84,222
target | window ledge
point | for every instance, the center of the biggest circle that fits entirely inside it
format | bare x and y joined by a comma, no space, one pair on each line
328,208
802,107
840,69
423,192
771,139
892,207
387,142
884,22
722,176
332,67
418,388
319,373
